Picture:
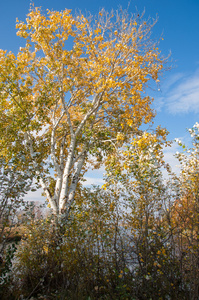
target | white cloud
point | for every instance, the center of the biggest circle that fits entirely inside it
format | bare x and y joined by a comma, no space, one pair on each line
94,177
93,180
165,88
172,80
179,94
35,196
182,94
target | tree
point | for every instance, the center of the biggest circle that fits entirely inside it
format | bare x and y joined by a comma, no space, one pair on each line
14,184
137,176
185,212
74,92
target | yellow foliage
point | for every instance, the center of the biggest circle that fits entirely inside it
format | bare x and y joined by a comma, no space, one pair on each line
87,96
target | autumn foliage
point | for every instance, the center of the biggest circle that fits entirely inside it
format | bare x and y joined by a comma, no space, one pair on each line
74,91
75,97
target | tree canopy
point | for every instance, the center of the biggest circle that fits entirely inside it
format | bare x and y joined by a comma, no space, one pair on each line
74,93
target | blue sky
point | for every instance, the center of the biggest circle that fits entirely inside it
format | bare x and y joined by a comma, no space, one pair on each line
177,102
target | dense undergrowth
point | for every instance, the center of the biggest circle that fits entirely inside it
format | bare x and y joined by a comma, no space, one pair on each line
136,239
98,254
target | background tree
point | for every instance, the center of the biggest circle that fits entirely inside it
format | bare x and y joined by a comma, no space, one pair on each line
14,184
185,213
77,84
137,171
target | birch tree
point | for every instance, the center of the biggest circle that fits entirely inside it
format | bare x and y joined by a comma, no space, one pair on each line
75,91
